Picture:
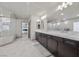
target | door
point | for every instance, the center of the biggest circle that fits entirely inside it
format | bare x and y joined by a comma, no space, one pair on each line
29,29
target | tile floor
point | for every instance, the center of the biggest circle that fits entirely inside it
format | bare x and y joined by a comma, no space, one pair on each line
24,47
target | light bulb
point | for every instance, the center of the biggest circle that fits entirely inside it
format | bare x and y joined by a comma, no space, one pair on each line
69,3
59,8
63,4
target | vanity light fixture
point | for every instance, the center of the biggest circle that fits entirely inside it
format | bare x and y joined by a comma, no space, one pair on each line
59,8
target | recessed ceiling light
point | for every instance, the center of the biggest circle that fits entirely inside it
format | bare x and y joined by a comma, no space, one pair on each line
69,3
59,8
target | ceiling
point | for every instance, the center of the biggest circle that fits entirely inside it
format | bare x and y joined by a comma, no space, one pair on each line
25,9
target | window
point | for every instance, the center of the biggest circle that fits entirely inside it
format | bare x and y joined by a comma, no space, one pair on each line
24,27
4,24
76,26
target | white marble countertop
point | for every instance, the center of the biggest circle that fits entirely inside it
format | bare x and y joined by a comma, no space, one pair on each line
69,35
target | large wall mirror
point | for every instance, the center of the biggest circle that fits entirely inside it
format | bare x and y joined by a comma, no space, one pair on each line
76,26
70,25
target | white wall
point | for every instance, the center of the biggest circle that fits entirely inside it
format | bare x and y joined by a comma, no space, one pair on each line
33,27
15,28
18,27
9,14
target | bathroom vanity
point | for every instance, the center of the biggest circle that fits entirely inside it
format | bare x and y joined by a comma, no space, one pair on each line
59,43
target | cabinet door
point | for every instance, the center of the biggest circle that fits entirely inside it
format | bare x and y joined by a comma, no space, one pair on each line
37,36
40,37
78,51
66,50
52,45
44,41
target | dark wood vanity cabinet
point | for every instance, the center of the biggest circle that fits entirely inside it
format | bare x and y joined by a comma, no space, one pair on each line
52,44
67,48
42,38
38,36
61,47
78,51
